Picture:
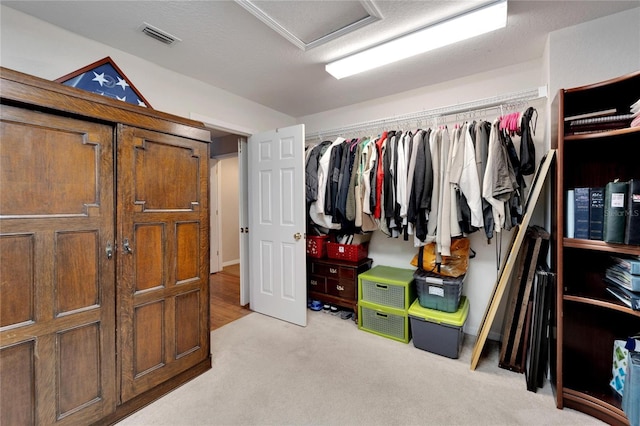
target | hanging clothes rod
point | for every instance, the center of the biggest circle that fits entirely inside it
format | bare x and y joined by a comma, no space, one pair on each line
388,123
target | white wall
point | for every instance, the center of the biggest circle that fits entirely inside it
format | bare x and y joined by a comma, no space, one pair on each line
229,211
479,86
595,51
38,48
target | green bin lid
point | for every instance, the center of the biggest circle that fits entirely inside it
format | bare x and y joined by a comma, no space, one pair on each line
456,318
389,275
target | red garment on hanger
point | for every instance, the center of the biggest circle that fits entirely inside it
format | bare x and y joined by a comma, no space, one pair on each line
377,211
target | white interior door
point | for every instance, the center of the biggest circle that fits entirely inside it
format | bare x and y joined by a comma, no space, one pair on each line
277,255
244,221
214,222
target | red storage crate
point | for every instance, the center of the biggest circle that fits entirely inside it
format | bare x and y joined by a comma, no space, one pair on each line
351,252
317,246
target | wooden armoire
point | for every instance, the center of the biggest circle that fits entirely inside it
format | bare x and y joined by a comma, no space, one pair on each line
104,254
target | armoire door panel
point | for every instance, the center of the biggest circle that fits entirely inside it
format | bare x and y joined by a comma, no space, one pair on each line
187,251
149,242
187,323
62,176
17,285
76,259
57,217
78,378
162,182
149,353
166,175
17,374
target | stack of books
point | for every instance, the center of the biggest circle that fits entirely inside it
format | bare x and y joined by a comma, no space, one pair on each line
623,280
603,120
610,213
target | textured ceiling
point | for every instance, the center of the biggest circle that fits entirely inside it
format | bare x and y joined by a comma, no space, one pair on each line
228,47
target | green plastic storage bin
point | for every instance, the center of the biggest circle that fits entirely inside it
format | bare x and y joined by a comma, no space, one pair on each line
384,321
437,331
387,286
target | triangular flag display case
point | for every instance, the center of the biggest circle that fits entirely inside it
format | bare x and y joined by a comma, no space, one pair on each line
105,78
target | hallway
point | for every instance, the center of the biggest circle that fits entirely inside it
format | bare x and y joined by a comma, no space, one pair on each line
224,299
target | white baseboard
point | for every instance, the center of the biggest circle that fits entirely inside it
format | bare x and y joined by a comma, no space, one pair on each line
230,262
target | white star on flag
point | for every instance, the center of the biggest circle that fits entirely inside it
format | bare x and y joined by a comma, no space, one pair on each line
121,99
99,78
122,82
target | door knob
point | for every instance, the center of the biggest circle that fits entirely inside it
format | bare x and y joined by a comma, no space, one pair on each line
297,236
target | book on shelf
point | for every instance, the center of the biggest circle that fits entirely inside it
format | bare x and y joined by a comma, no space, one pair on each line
599,127
628,264
601,120
623,278
629,298
570,215
615,200
632,227
596,213
601,113
581,213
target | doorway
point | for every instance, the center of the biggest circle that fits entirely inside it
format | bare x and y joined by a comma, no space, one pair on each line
224,282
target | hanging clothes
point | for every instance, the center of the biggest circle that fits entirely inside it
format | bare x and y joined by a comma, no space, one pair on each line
317,208
496,178
347,226
422,188
381,145
443,240
434,145
527,147
468,182
370,154
389,184
513,209
411,179
400,211
432,184
380,182
331,193
483,129
351,195
311,170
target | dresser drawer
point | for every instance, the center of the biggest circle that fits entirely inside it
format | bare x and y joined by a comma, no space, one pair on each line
329,271
341,288
316,283
348,273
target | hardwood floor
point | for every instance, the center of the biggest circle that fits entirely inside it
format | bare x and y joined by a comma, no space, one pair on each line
224,288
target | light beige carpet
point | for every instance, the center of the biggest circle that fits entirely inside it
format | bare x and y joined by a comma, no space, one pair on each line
269,372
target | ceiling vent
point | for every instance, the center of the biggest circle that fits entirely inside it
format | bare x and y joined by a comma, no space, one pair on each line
158,34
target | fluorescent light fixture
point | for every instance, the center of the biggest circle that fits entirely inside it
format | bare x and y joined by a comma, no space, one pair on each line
461,27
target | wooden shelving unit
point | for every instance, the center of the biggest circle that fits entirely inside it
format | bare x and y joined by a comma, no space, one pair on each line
589,319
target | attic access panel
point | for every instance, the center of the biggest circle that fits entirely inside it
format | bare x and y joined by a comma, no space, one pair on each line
309,24
105,78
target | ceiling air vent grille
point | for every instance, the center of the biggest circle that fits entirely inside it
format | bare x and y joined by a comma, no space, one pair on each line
158,34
